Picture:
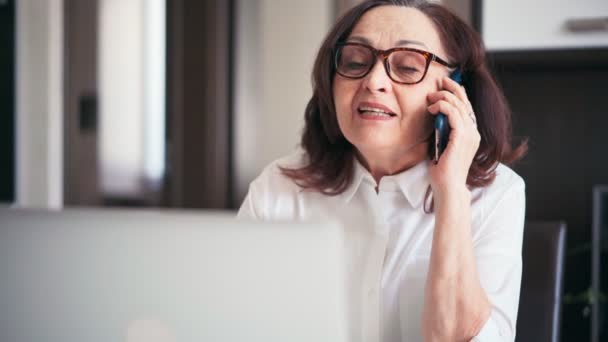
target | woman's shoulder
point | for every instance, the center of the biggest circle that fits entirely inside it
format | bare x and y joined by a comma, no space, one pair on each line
506,192
273,195
506,185
272,176
507,180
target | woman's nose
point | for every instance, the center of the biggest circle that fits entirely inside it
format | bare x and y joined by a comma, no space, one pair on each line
377,79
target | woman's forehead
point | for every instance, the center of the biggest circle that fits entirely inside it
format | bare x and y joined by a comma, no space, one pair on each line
385,27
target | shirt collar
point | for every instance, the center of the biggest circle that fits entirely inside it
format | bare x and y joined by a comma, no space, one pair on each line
412,182
360,174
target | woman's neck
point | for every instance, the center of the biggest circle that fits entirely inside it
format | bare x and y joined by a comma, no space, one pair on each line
389,162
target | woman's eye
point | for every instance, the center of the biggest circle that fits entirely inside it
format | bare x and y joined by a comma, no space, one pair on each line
407,70
355,65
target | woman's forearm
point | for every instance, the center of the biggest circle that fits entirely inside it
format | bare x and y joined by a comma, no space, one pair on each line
456,306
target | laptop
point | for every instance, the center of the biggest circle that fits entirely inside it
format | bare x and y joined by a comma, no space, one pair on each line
161,276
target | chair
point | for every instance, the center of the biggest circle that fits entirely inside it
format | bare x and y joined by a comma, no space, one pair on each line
542,282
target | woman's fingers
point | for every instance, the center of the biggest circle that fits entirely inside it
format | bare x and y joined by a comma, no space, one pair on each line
460,93
449,97
455,88
455,119
456,95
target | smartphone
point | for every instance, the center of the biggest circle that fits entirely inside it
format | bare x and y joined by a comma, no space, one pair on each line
441,133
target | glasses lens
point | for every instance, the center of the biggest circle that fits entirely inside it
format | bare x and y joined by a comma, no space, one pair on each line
354,60
407,66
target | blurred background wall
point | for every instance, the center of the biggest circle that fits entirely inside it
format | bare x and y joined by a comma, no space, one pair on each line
276,43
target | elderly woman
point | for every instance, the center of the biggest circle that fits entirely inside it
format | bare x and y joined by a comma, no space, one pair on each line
448,232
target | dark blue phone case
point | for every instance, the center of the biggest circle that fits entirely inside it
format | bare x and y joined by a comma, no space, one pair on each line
442,128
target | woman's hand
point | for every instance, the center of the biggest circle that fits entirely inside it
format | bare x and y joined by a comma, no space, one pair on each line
453,167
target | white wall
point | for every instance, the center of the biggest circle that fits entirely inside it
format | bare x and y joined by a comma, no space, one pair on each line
39,105
121,96
276,45
131,92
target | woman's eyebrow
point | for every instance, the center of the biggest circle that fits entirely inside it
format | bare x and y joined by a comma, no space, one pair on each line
401,42
360,40
411,42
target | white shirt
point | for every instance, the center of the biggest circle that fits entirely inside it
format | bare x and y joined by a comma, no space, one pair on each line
389,239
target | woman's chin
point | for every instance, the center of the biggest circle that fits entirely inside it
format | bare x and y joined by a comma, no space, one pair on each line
377,145
382,145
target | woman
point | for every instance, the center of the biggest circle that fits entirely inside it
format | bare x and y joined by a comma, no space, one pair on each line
446,235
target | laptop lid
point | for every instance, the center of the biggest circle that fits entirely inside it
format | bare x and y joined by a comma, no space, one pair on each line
123,275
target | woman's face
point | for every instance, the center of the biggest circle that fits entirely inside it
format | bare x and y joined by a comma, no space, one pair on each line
409,124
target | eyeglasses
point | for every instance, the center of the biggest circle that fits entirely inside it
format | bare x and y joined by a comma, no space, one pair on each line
402,65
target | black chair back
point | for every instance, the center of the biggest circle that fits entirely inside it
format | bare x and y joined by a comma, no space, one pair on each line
542,282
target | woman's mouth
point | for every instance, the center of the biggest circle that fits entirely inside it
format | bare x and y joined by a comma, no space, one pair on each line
375,112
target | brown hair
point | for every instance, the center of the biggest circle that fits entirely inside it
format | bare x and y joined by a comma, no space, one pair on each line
329,168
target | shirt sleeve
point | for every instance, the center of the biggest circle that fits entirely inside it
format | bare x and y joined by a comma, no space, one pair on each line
498,252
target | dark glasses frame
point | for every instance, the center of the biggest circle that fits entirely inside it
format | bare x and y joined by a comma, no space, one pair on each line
383,55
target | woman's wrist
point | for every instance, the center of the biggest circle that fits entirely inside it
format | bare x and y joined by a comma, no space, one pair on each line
453,204
455,193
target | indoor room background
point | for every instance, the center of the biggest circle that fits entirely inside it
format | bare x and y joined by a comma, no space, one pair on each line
181,103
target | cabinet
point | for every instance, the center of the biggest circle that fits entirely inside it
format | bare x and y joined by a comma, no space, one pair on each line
543,24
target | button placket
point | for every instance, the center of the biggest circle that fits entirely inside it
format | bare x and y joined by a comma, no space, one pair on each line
371,289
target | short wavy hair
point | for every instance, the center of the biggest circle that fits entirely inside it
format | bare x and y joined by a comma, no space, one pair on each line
329,167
